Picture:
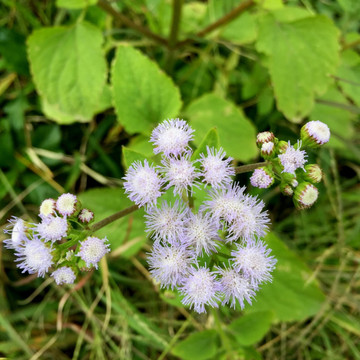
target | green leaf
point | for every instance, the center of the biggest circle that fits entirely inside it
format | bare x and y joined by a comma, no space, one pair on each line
236,133
211,139
143,94
243,30
251,328
75,4
69,70
350,81
198,346
301,55
107,201
294,294
129,156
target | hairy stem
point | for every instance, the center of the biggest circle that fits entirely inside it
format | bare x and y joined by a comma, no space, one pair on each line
125,20
113,217
230,16
250,167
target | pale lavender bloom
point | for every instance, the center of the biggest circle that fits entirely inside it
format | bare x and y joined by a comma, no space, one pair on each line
318,131
261,179
64,275
180,173
254,261
66,204
217,171
52,228
92,249
235,286
166,222
170,263
293,159
200,288
142,183
201,232
250,220
18,231
171,137
225,203
47,208
34,257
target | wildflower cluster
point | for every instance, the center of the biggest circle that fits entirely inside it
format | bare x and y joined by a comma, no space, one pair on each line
289,164
214,255
58,244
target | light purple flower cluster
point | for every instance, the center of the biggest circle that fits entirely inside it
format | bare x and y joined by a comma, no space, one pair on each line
190,246
56,244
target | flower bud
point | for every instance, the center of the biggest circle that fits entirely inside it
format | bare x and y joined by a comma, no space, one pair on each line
289,179
86,216
286,189
305,195
281,147
315,134
264,137
268,150
313,173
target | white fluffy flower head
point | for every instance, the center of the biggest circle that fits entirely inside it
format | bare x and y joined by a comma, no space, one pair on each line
92,249
52,228
66,204
217,170
64,275
261,179
142,183
34,257
171,137
86,216
293,159
47,207
18,231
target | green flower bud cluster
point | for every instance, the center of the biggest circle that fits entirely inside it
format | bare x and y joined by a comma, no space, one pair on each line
287,164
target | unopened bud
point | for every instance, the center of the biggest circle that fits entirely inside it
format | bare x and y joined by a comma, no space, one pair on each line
305,195
313,173
315,134
264,137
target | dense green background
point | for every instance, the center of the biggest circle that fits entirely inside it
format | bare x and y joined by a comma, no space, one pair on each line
83,84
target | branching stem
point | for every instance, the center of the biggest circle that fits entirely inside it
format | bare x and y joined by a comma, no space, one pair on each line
250,167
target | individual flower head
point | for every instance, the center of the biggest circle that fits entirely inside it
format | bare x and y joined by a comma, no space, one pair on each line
264,137
167,222
180,173
170,263
47,208
66,204
85,216
250,220
216,170
92,249
64,275
201,232
315,133
262,178
200,288
18,231
254,261
224,203
34,256
171,137
293,159
305,195
52,228
235,286
142,183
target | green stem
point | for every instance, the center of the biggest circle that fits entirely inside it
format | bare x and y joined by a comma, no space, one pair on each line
97,226
224,339
250,167
230,16
125,20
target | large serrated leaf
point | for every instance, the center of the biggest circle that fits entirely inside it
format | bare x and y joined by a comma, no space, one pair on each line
302,54
236,133
69,69
143,94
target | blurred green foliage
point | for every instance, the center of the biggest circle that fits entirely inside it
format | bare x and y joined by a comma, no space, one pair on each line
83,83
